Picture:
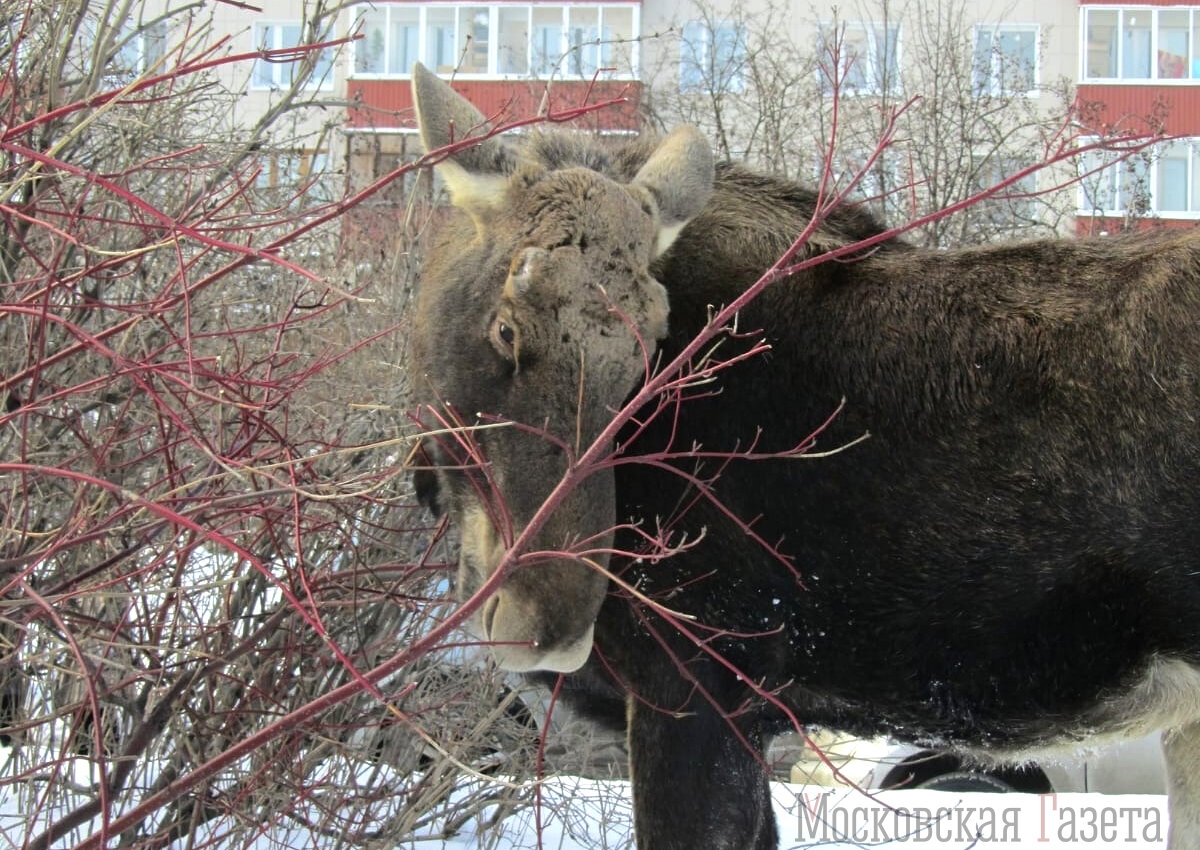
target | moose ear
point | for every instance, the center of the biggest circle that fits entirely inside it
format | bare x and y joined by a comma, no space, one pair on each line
476,175
679,174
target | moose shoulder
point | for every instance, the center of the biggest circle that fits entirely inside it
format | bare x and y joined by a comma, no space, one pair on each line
1008,564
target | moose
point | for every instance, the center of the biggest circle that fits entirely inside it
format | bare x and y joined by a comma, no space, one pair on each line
1008,565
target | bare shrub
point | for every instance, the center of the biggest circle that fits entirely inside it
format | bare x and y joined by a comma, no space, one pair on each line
764,97
217,597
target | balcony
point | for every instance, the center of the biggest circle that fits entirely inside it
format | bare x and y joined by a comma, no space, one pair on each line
386,104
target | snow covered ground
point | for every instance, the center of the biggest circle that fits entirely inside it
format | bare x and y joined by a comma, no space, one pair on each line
584,814
581,814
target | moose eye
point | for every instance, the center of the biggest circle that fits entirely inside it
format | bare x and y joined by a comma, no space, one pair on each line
504,337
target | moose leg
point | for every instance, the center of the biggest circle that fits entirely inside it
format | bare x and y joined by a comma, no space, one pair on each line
1182,750
696,783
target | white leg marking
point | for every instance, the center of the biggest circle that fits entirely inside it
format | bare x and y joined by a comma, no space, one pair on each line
1182,750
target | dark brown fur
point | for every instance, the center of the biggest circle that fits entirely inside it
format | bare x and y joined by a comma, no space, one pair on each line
1008,563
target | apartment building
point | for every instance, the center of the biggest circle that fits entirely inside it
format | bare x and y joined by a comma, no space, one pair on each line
1139,70
1136,67
304,142
506,56
511,59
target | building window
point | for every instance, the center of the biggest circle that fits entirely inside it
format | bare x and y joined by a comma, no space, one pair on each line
1144,43
508,40
712,57
303,175
474,39
1015,203
140,51
1006,59
879,174
440,28
131,50
280,72
1163,181
546,43
589,41
868,54
512,37
390,40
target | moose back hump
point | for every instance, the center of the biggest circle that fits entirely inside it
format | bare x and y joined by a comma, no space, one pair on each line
1008,563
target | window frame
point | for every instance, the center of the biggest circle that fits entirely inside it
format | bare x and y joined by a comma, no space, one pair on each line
1157,57
871,74
322,76
1021,196
144,47
872,187
698,83
1111,176
995,83
287,170
563,67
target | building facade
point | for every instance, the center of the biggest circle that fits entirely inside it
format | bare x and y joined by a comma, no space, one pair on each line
1139,71
1129,68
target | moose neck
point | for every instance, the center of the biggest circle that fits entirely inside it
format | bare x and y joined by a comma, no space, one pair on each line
751,221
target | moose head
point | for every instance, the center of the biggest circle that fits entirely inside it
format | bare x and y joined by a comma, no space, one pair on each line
538,315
